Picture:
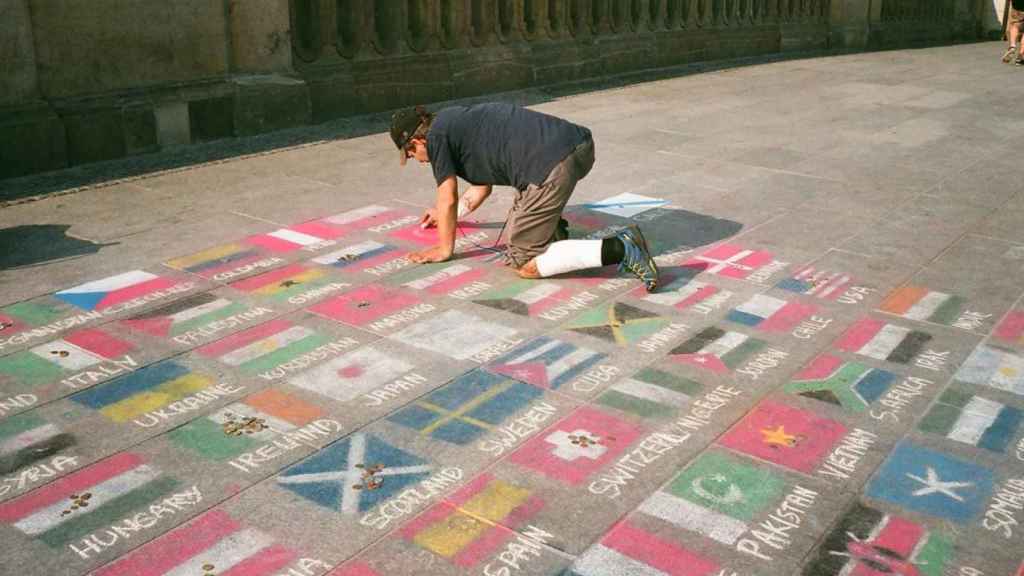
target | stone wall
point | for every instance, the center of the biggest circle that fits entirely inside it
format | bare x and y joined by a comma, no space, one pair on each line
89,81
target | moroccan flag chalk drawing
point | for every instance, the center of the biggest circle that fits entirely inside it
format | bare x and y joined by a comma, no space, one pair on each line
867,542
91,498
353,374
918,303
787,436
475,522
26,439
882,341
651,393
184,315
264,347
144,390
770,314
1011,329
454,334
933,483
995,368
214,543
730,261
109,292
220,262
441,280
284,283
546,362
849,385
525,297
365,305
816,282
354,474
305,235
244,426
618,323
716,496
716,350
629,550
75,352
971,419
581,444
466,409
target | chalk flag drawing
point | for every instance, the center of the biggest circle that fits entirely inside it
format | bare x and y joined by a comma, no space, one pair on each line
244,426
361,256
626,205
716,496
217,260
932,483
525,297
214,543
26,439
629,550
619,323
351,375
454,334
730,261
680,292
364,218
473,405
716,350
849,385
576,447
995,368
546,362
48,362
790,437
144,390
439,280
1011,329
820,283
355,474
867,542
296,237
281,284
883,341
770,314
428,236
102,294
356,568
919,303
184,315
86,500
971,419
264,347
22,316
475,522
365,304
651,393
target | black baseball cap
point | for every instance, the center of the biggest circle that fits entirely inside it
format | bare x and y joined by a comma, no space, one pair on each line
403,126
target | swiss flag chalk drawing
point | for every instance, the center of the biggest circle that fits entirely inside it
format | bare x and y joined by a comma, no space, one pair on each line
365,305
784,435
581,444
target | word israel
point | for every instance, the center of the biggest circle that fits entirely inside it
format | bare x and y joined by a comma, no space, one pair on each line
123,292
27,334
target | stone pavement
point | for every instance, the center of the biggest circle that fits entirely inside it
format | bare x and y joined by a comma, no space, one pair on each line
233,369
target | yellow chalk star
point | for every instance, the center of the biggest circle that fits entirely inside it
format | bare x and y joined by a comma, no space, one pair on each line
778,437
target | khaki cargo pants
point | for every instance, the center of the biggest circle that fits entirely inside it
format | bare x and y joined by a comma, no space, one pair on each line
536,210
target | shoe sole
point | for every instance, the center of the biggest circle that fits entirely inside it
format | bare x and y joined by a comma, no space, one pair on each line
650,259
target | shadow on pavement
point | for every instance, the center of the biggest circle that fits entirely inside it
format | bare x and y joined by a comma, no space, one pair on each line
37,243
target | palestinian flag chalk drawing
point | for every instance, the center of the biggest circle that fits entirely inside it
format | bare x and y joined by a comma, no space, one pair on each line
103,294
629,550
463,411
214,543
918,303
971,419
475,522
546,362
849,385
93,497
716,350
867,542
184,315
244,426
882,341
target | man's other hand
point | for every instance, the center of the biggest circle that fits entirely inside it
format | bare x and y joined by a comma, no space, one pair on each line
429,219
435,254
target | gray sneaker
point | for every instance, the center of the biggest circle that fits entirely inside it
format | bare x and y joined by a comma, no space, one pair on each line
637,258
1010,54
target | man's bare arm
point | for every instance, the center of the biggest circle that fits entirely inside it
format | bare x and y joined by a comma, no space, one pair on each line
445,210
473,199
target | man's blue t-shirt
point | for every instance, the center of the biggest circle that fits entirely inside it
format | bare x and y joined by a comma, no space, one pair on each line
499,144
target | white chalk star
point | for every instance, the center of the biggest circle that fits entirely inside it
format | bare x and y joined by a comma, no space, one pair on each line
935,485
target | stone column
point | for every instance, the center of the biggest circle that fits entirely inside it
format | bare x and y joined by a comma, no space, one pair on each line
18,79
850,21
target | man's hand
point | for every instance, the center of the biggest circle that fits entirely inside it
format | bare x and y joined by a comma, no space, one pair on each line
435,254
429,219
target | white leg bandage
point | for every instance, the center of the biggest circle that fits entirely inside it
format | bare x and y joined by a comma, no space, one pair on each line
568,256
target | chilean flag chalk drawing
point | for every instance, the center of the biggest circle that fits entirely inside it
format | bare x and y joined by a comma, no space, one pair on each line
102,294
